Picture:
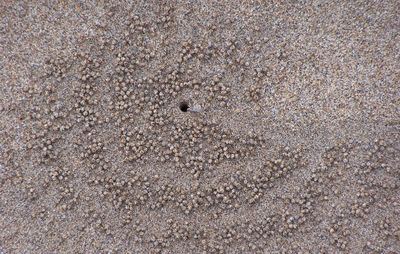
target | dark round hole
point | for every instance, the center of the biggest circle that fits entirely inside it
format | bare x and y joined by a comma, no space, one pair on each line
183,106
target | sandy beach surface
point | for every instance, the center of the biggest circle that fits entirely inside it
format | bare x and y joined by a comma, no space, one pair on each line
200,126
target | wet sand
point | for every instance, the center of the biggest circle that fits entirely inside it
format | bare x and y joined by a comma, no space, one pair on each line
199,127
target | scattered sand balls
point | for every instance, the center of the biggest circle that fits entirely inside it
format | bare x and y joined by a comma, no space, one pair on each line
108,147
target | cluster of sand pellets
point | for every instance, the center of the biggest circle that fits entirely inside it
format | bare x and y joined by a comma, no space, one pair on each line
200,127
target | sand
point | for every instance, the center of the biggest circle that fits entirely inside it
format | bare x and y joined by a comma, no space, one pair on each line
199,127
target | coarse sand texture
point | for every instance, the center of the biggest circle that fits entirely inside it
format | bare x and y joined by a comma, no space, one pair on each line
185,127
